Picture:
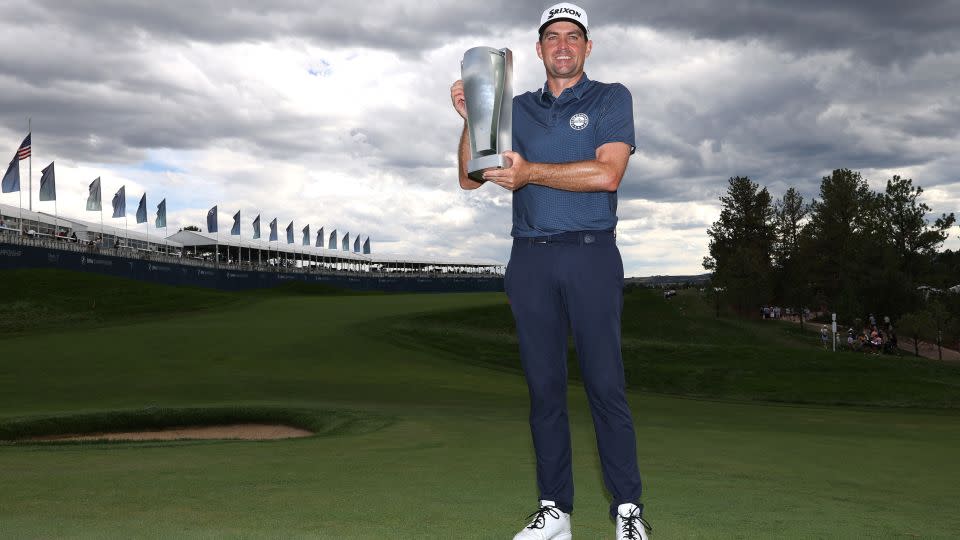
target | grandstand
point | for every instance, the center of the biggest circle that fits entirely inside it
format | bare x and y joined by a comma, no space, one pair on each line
40,226
40,238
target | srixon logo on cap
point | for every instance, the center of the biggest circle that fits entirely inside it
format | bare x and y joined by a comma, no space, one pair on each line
562,11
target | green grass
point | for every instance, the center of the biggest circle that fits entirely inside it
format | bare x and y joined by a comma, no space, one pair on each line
679,347
40,299
327,422
451,454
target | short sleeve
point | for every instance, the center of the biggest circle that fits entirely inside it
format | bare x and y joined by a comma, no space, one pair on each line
616,118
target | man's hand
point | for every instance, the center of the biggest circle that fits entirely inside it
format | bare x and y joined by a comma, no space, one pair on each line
458,98
595,175
463,149
514,177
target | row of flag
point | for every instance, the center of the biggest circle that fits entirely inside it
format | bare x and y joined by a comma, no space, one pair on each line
48,192
48,188
214,227
119,203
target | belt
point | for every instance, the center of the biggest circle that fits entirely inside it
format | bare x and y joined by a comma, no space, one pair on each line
572,237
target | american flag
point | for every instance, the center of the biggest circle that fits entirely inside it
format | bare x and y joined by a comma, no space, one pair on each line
24,151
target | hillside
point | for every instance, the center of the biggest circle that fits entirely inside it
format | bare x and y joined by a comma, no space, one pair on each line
677,346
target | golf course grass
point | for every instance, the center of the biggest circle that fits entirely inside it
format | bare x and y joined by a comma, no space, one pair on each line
420,413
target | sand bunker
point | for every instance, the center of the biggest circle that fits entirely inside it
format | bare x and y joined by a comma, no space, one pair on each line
248,432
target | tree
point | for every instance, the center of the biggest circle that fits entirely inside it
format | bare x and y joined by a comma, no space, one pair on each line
915,324
789,213
838,238
944,271
934,322
741,244
914,240
942,320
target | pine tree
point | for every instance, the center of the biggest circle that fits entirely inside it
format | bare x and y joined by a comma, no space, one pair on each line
791,274
837,240
914,240
741,245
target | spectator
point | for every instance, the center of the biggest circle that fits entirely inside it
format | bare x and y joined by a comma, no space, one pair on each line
876,342
891,346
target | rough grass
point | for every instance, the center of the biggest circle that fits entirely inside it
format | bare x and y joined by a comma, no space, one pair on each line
677,346
40,299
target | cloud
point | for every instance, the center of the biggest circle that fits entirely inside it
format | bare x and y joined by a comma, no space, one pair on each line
337,114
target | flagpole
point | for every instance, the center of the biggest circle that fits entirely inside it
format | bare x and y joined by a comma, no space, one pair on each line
30,178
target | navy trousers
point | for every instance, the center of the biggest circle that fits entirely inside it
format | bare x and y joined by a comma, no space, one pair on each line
573,281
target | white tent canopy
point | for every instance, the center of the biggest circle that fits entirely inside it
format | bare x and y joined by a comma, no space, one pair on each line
199,239
234,247
85,230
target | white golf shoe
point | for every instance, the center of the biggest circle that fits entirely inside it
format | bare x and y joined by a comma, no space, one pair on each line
630,526
547,523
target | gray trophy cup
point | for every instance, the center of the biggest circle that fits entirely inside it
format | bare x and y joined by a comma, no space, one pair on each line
487,75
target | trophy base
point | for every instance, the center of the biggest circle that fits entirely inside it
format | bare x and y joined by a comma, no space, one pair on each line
476,167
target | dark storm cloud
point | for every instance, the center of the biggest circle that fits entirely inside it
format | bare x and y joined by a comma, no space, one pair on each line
881,31
826,84
387,25
119,126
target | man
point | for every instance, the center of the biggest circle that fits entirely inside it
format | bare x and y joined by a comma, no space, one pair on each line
572,139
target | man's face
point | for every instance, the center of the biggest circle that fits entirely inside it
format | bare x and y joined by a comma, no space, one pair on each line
564,49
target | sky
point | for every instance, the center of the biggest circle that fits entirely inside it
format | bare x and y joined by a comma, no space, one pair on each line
337,114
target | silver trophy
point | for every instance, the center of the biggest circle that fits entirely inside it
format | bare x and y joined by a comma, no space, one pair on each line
487,75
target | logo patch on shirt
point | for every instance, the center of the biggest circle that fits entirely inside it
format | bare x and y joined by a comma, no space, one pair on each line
579,121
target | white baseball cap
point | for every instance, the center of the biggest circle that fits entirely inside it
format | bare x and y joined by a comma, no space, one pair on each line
565,11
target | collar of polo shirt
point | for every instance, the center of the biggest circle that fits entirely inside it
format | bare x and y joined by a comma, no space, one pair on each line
577,90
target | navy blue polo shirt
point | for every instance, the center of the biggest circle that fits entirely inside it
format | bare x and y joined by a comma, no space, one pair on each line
548,129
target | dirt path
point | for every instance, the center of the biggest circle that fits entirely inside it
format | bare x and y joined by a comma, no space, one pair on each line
926,349
249,432
929,350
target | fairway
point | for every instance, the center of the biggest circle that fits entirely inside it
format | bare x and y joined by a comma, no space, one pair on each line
440,446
